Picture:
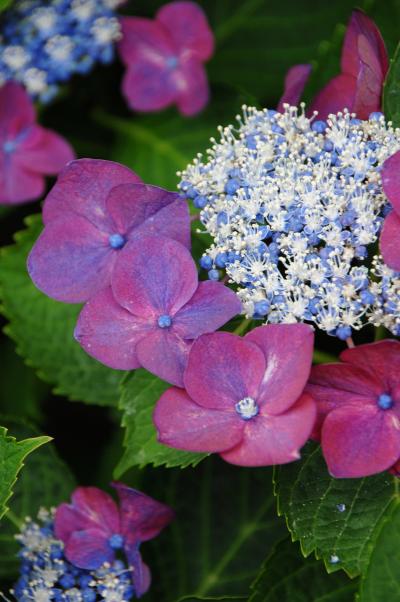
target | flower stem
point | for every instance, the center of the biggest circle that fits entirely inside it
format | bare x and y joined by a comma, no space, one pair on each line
242,326
350,342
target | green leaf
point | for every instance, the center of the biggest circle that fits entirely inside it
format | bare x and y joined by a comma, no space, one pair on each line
43,330
311,501
12,456
381,582
391,90
45,482
219,598
285,575
5,4
225,526
140,391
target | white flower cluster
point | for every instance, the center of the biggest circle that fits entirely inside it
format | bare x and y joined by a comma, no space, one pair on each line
295,207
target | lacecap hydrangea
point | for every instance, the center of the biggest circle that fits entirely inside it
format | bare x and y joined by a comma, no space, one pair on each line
46,575
44,43
295,207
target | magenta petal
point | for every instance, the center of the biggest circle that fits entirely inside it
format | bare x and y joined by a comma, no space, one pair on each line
142,209
381,360
270,440
141,577
148,86
88,549
83,187
295,80
17,184
43,151
165,354
142,517
99,508
192,87
183,424
358,441
188,26
211,306
288,350
337,95
222,370
368,92
67,520
391,180
389,241
109,333
144,40
16,109
361,26
154,276
71,260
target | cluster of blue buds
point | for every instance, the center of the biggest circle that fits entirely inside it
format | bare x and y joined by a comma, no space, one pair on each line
295,207
46,575
44,43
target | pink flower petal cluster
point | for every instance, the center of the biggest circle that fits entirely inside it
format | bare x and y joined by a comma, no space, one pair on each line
153,310
358,87
390,235
28,152
358,404
164,58
95,209
93,529
243,397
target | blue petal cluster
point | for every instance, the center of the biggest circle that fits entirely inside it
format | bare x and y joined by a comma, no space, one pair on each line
295,206
44,43
46,575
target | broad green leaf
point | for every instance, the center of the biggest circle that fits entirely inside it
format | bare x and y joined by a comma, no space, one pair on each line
338,519
12,456
140,391
217,599
381,582
391,91
225,526
5,4
286,575
45,482
43,330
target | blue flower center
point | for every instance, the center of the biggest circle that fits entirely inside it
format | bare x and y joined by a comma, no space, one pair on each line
247,408
9,146
172,62
116,241
164,321
385,401
116,541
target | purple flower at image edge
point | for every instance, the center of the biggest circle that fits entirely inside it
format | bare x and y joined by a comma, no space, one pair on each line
95,208
390,236
28,152
243,397
153,310
364,64
358,404
93,529
164,58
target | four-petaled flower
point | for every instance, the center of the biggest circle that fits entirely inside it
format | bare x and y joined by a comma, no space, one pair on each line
153,310
164,58
95,208
28,152
243,397
358,87
93,528
359,409
390,235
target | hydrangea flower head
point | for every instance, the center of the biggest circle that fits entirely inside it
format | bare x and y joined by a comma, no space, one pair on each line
93,529
28,152
153,310
295,205
243,397
164,58
94,210
358,404
364,65
45,43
